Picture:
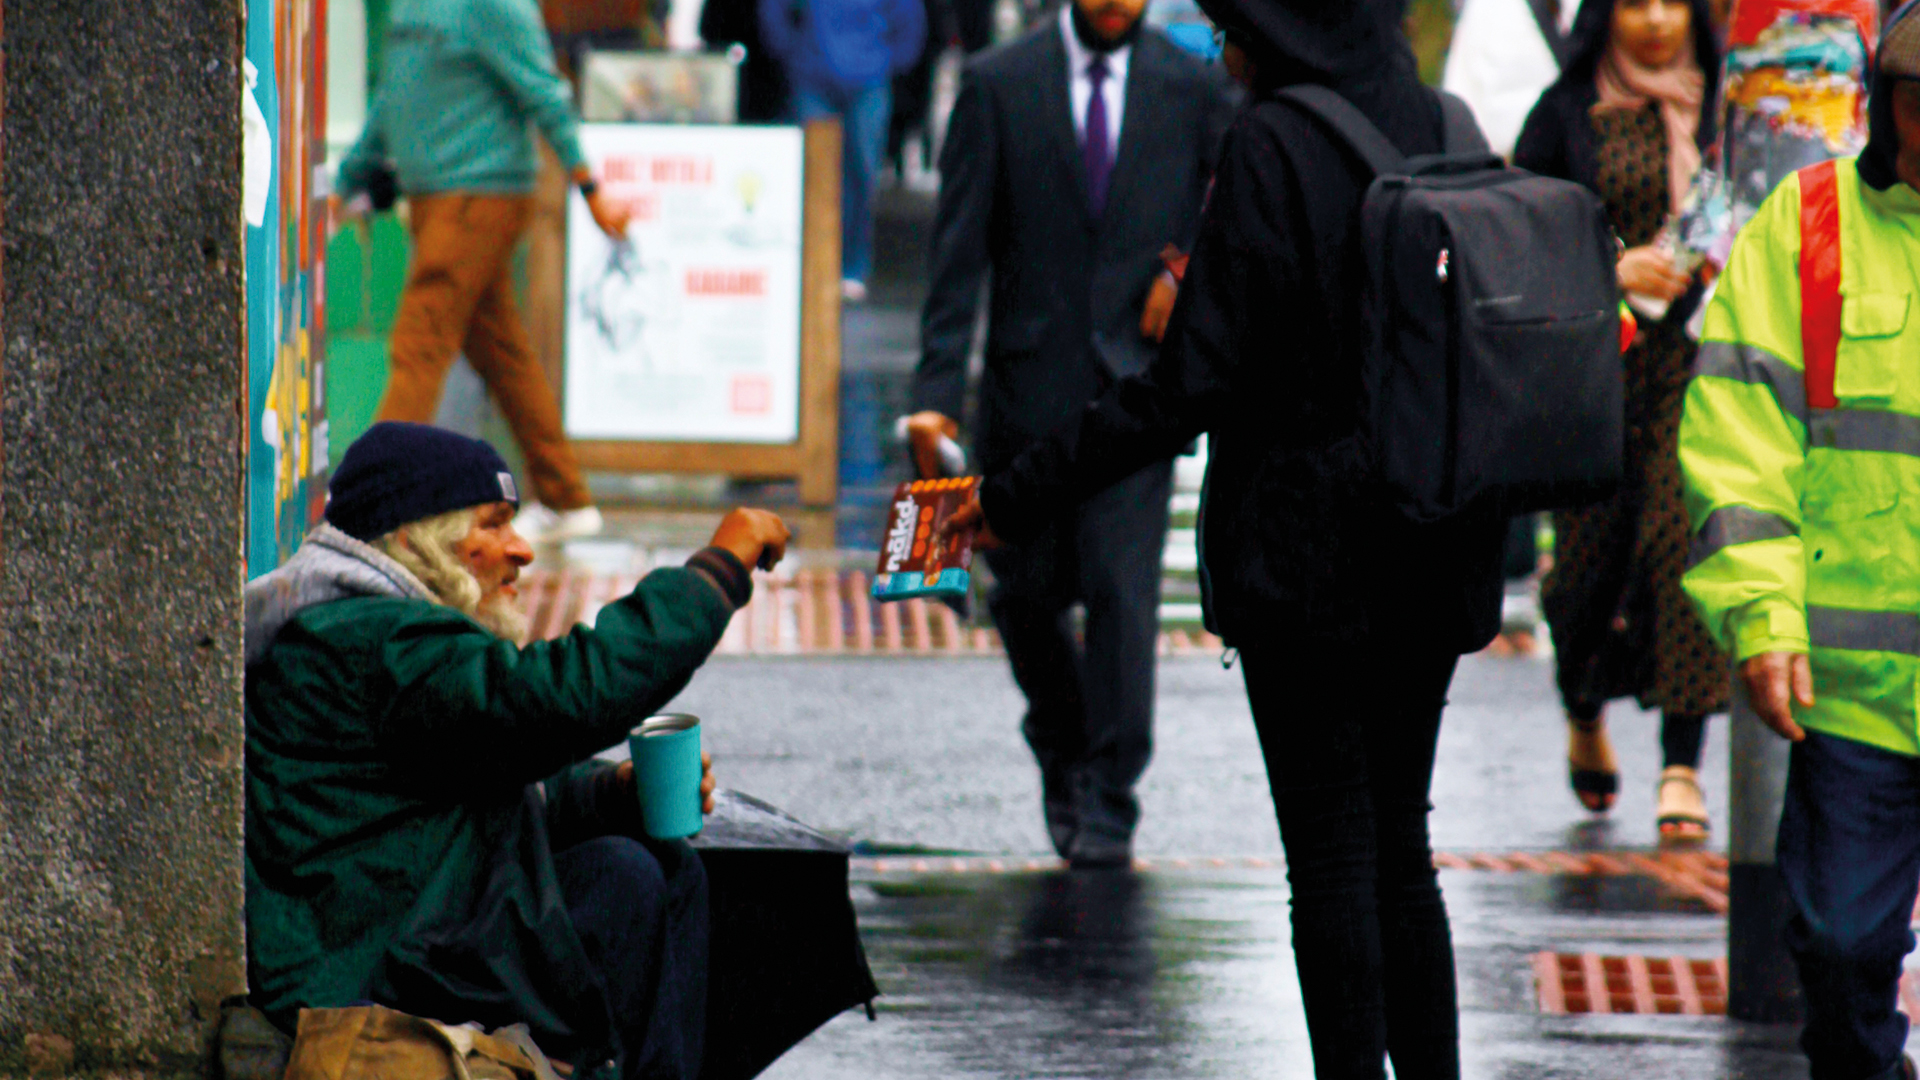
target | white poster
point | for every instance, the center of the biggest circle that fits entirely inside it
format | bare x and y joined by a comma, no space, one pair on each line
689,330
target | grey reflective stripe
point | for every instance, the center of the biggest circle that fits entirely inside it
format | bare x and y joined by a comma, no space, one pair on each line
1731,525
1864,429
1755,365
1876,631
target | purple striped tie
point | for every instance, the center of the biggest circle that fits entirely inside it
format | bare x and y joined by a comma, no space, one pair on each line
1094,152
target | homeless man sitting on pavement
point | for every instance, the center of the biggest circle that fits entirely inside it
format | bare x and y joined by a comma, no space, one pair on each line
425,828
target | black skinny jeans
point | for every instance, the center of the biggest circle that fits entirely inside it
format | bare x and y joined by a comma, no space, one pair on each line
1348,732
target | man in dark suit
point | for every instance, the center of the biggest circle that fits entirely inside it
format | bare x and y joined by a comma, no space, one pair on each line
1074,157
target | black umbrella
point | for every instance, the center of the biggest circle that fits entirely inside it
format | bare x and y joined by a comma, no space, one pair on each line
785,955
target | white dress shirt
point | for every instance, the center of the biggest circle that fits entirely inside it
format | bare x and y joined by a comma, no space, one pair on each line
1080,87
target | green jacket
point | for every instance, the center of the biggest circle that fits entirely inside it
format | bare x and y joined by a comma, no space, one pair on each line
409,776
460,81
1807,520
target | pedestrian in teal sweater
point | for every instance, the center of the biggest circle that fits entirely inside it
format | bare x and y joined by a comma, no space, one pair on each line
426,828
462,85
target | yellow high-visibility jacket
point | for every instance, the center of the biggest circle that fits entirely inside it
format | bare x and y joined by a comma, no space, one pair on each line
1807,519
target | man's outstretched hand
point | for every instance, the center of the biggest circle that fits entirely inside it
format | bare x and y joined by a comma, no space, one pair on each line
758,538
971,518
1775,682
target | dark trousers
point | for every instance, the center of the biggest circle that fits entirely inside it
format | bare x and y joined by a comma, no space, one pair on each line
1348,732
640,909
1850,853
1090,710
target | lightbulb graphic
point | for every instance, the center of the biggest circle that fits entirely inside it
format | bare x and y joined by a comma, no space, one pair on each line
749,188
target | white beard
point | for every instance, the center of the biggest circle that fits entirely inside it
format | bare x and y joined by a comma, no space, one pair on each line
502,615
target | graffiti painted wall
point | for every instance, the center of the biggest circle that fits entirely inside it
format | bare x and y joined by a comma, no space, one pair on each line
286,280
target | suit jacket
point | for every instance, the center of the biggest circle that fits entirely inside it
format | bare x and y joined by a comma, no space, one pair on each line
1066,287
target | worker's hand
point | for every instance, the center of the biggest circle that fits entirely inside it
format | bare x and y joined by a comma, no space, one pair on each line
1775,682
758,538
1160,298
923,438
612,217
971,518
1649,271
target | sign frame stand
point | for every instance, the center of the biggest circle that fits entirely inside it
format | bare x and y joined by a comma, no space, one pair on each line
814,458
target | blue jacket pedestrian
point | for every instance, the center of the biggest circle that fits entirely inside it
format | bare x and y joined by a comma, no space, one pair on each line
843,44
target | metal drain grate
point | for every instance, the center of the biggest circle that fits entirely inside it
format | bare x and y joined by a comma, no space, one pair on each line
1648,985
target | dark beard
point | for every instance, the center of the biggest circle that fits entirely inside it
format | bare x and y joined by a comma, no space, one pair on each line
1090,37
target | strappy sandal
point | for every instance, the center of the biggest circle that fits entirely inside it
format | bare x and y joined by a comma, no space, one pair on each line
1596,788
1682,813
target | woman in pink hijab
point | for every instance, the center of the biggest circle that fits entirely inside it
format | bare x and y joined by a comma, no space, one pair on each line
1629,117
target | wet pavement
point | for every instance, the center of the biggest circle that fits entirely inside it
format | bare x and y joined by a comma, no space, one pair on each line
1013,968
1176,975
1185,969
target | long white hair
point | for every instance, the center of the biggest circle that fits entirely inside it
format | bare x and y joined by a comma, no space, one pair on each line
426,549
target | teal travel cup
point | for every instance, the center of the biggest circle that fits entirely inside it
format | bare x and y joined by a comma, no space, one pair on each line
666,772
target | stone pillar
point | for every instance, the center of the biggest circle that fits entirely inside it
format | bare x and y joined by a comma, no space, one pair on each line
121,468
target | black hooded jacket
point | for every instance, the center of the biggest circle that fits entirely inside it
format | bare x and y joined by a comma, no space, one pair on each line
1262,353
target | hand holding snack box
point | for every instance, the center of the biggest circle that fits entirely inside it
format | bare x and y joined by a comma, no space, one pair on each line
916,557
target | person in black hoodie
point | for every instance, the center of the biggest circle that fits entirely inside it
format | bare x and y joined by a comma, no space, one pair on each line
1349,620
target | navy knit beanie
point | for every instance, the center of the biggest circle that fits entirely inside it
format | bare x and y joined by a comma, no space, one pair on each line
399,473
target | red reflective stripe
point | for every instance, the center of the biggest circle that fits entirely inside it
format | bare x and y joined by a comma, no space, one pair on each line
1819,281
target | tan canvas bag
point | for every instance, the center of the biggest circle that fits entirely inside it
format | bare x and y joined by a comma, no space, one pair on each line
372,1042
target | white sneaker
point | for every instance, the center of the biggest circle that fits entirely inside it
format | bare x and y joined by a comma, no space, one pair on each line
540,525
853,291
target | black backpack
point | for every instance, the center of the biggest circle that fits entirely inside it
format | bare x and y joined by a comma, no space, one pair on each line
1492,372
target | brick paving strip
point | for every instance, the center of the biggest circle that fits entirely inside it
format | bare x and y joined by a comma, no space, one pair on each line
805,612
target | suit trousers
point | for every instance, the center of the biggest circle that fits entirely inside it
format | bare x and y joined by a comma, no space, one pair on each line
1849,851
459,298
1349,769
1090,709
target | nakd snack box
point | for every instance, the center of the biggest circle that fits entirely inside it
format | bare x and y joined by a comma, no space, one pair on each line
914,561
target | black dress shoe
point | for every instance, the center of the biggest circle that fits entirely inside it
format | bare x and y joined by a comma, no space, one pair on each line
1092,852
1059,802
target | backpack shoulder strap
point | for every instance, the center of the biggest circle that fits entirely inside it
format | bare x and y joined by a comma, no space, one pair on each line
1819,281
1350,124
1463,134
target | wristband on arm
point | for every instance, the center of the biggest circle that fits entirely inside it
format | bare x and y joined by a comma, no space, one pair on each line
727,573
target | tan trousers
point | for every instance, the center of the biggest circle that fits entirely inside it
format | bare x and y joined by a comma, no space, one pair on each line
459,298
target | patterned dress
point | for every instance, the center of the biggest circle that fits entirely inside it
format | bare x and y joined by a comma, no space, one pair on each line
1621,624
